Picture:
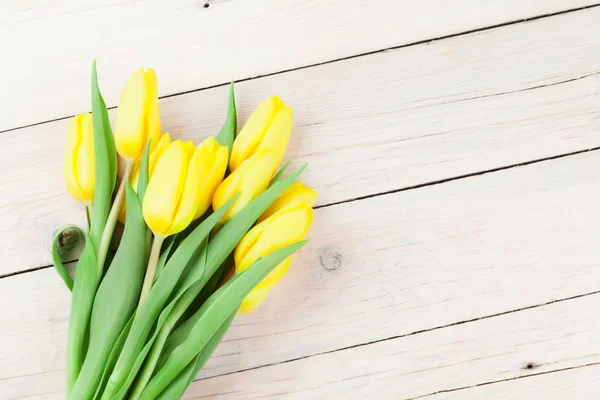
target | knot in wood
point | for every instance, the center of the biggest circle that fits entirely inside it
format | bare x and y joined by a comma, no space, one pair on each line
329,259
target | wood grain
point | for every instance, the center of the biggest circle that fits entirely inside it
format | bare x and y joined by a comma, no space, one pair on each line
367,125
580,384
540,340
381,268
49,46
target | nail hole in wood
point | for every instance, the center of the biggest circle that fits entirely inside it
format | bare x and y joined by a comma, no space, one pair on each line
530,365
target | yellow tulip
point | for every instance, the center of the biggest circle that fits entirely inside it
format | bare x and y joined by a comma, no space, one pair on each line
284,227
181,185
250,179
157,148
79,167
137,114
268,128
297,193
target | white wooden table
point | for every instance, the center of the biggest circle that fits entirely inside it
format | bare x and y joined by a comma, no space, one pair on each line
454,144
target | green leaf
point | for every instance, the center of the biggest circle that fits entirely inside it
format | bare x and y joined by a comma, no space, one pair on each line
105,162
212,345
112,358
279,173
229,129
177,387
151,308
208,289
169,324
181,333
212,315
110,140
144,173
64,234
168,247
84,289
86,275
116,299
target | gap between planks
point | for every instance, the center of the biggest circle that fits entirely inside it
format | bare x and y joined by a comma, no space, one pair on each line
389,192
283,71
534,375
436,328
529,344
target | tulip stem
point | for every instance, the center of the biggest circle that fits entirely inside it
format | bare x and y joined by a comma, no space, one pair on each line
89,209
152,264
111,221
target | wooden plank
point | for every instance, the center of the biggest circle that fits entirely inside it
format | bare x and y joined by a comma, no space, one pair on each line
580,384
366,125
430,115
550,338
378,268
49,47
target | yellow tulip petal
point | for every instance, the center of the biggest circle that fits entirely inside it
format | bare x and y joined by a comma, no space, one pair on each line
260,292
189,198
227,189
74,140
130,121
212,170
297,193
85,158
158,147
151,110
284,227
247,141
231,185
245,244
165,188
253,179
278,134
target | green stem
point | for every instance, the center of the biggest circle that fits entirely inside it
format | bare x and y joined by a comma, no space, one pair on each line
151,270
111,221
89,209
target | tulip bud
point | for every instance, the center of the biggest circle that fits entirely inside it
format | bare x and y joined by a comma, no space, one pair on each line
137,114
297,193
183,178
79,166
268,128
286,226
250,179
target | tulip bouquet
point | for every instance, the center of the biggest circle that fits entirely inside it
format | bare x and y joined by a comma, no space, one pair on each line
209,229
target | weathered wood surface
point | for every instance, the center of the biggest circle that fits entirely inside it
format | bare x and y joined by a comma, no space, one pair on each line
431,112
438,269
540,340
466,249
47,47
578,383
